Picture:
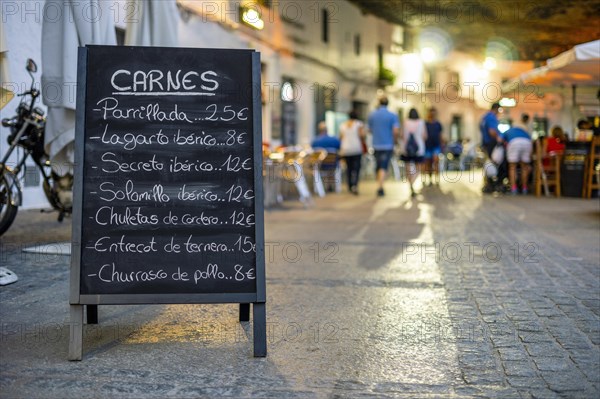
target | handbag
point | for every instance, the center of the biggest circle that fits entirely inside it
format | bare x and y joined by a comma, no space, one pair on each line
412,148
363,145
498,154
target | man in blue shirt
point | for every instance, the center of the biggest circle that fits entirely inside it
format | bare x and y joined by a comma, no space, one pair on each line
325,141
489,129
490,135
385,128
332,145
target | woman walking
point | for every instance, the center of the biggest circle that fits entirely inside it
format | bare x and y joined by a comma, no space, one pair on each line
352,133
433,147
413,146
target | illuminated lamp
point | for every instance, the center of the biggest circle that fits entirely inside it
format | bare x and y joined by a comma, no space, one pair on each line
428,54
508,102
489,63
252,18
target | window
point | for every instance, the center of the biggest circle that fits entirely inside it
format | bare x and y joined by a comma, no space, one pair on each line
456,128
455,78
357,44
380,56
407,41
325,100
288,112
429,77
325,26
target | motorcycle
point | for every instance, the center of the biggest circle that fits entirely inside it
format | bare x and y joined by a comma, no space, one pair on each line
27,129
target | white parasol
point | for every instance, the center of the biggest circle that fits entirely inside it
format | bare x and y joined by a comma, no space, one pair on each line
67,25
155,24
578,66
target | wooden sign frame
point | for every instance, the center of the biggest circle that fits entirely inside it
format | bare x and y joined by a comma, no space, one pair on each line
78,300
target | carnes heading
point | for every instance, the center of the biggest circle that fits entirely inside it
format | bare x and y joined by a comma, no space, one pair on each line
156,81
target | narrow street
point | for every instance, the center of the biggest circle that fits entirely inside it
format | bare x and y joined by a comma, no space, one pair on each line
448,294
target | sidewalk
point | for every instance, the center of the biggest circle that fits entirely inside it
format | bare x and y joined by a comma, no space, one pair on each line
449,294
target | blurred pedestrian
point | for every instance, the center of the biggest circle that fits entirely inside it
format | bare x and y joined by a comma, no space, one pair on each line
490,135
433,146
489,129
385,127
413,146
518,150
352,133
469,154
330,165
324,140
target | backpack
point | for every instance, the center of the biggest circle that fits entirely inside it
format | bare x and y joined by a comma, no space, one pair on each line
412,147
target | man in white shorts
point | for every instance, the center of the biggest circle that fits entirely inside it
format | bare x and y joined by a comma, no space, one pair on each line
518,150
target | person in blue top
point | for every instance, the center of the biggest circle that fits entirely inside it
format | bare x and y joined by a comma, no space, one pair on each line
489,129
433,146
385,128
325,141
332,145
518,149
490,136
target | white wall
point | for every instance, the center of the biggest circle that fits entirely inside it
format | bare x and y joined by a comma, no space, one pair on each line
291,45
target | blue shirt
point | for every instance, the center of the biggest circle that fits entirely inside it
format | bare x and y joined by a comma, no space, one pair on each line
489,121
434,135
329,143
515,132
382,123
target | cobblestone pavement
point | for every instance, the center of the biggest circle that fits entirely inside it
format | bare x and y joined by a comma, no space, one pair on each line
449,294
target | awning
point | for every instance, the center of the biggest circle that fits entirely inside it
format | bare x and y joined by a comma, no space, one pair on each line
579,66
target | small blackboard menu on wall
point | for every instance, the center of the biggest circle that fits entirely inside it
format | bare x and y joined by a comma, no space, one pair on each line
168,189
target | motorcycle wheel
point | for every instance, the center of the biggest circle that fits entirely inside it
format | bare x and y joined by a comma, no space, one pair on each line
8,211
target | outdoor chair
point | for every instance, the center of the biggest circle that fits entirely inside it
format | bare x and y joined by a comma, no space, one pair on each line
272,178
592,170
315,159
331,172
293,174
546,171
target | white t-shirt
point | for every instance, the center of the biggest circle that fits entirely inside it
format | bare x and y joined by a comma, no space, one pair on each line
350,138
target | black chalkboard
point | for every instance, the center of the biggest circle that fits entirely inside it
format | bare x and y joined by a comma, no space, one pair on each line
168,191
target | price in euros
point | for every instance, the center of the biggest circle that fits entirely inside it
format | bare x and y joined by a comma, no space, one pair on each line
246,245
237,193
226,114
241,219
235,164
234,138
241,274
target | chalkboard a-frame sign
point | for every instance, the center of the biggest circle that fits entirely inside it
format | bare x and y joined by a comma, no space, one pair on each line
168,203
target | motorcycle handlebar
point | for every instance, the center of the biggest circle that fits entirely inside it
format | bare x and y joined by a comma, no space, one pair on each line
33,92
